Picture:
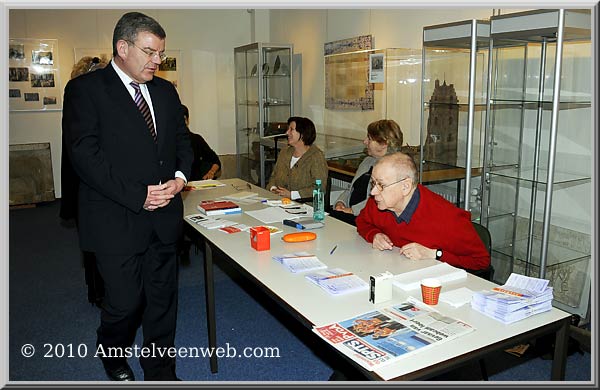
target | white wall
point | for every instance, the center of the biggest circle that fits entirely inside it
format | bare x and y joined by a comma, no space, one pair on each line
206,39
308,30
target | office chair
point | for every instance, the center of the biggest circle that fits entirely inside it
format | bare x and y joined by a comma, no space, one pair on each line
486,237
487,274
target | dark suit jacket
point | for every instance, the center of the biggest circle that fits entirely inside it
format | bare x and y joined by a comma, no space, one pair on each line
116,158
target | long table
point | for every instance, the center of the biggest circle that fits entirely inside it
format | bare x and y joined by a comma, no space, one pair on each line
315,307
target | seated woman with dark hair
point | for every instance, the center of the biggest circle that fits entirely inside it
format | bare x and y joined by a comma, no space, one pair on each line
300,164
206,164
383,137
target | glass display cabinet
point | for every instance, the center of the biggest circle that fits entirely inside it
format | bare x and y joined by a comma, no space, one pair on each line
538,202
453,96
263,103
358,92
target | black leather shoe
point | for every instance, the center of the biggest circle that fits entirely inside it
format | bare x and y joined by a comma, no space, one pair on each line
120,373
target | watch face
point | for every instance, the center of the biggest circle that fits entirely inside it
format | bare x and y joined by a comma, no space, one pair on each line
438,254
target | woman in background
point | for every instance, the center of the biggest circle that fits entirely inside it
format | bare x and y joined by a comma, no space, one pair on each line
383,137
206,164
300,164
70,187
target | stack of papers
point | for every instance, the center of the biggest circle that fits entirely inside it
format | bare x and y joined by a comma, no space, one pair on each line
218,207
203,185
337,281
208,222
443,272
240,195
457,297
300,262
521,297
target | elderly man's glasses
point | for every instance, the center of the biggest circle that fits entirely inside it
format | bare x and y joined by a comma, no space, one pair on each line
380,187
151,53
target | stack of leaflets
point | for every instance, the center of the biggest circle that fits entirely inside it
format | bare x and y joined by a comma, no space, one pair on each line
218,207
209,223
444,272
240,195
337,281
300,262
202,185
521,297
385,336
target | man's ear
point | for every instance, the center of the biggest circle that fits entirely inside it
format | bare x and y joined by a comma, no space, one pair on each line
122,48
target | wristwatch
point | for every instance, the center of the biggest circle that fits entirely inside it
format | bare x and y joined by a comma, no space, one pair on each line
438,254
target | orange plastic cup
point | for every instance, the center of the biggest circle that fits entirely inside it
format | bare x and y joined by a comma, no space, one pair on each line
430,290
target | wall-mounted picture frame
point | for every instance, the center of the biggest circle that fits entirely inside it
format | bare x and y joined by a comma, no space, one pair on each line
376,68
347,85
33,75
170,68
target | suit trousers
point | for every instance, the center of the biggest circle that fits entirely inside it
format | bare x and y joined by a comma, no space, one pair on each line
140,289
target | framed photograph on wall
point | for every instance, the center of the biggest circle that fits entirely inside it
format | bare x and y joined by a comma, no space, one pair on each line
169,69
376,68
33,77
104,54
347,84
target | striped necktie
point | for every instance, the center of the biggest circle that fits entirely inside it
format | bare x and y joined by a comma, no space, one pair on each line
144,109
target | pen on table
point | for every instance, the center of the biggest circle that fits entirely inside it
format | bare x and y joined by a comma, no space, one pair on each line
333,250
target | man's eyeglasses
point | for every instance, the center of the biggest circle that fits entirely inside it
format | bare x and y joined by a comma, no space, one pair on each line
380,187
151,53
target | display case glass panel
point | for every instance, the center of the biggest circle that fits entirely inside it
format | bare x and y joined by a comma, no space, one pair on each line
454,94
539,165
263,89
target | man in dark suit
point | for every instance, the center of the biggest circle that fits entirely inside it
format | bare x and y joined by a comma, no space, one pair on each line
129,146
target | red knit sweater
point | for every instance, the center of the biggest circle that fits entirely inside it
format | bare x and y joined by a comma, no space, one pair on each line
436,224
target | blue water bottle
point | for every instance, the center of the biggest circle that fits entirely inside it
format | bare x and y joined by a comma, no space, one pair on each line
318,202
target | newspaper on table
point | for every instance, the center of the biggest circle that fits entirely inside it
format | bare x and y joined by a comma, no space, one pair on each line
385,336
520,297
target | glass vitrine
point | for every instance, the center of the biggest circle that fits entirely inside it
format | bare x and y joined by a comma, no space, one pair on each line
453,96
538,170
263,103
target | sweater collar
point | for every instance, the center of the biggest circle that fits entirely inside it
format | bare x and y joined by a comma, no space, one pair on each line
408,212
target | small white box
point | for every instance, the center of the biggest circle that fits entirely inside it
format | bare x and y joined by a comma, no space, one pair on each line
381,287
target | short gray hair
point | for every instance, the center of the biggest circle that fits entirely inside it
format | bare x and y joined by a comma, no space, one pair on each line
403,165
132,23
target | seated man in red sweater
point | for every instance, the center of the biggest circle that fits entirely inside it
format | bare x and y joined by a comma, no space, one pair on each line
421,223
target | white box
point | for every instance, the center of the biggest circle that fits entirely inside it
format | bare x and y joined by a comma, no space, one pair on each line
381,287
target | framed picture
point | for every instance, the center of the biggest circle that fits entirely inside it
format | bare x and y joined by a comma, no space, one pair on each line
169,69
347,84
105,54
376,68
33,77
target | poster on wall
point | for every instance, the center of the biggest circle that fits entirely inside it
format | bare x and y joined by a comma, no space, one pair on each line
376,70
347,85
33,78
169,68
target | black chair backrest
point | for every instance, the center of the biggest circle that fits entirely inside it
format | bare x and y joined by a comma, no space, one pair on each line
486,238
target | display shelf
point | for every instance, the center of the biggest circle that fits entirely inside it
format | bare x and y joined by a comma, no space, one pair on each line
542,174
454,105
263,95
538,167
557,254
